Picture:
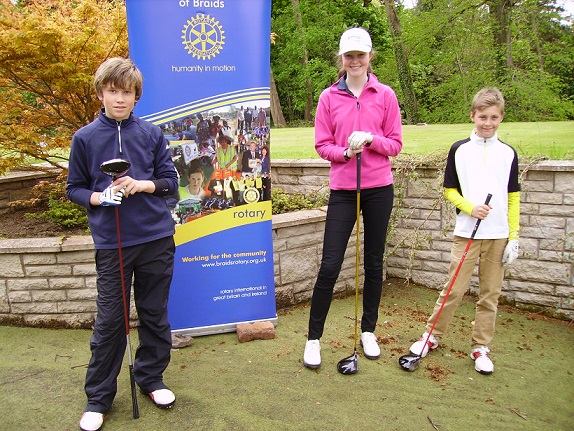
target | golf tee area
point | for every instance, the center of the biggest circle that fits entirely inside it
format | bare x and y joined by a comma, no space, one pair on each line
222,384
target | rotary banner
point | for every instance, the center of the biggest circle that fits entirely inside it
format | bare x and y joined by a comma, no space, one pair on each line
206,84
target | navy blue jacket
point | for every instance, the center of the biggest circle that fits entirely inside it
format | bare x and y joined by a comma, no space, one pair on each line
144,217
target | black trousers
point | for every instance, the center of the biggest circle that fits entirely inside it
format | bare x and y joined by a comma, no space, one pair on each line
151,267
376,206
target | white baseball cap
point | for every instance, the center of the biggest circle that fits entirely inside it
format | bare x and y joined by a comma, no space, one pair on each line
355,39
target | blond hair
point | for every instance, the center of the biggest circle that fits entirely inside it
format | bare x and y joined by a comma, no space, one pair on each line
487,97
120,73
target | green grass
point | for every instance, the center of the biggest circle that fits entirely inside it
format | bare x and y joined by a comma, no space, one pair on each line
224,385
550,139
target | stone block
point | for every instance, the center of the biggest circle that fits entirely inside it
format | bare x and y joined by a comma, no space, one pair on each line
27,284
48,270
296,265
255,331
11,266
39,259
84,269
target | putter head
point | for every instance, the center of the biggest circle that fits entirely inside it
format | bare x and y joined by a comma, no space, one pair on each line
410,362
348,365
115,167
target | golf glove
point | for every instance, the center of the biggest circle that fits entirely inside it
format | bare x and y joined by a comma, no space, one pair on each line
510,252
357,139
109,197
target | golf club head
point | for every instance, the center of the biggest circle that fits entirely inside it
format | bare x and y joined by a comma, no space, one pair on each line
409,362
115,167
348,365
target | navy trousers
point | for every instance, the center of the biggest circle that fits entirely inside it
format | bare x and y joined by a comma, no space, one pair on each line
376,206
150,265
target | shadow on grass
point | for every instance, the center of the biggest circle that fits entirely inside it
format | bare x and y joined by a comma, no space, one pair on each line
222,384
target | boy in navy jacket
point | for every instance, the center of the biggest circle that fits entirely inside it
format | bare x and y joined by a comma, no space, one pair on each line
147,245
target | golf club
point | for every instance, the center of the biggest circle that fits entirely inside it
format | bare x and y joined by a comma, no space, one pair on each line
116,168
411,361
349,365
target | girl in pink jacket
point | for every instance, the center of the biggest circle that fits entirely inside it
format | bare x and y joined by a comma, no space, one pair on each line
355,115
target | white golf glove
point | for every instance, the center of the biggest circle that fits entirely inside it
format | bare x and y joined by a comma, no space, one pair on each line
357,139
109,197
510,252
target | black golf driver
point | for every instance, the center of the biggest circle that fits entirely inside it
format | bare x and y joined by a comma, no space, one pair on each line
411,361
349,365
116,168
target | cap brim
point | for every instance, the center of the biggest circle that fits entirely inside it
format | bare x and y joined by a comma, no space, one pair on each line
360,47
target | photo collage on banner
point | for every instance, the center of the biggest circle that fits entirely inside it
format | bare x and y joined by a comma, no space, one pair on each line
206,70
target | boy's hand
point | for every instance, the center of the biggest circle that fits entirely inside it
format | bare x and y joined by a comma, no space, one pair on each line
510,252
357,139
109,197
481,211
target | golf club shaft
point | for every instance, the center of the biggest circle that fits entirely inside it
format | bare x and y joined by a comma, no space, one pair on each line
135,407
357,247
454,277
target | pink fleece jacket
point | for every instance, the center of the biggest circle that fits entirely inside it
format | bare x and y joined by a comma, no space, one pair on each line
339,113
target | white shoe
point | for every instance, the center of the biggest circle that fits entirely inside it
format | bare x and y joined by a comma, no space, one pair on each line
163,398
420,349
312,355
91,421
370,347
482,362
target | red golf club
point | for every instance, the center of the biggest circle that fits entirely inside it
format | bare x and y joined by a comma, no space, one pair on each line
116,168
411,362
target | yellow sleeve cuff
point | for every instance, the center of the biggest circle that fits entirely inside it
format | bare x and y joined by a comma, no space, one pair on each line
513,214
458,200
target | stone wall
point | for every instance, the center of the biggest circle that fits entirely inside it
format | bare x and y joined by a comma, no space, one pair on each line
16,185
51,281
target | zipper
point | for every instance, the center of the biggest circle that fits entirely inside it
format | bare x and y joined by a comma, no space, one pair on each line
119,135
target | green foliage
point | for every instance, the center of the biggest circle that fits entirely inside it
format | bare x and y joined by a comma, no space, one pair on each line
52,195
282,202
65,213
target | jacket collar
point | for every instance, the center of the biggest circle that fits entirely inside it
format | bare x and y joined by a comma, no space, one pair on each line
111,122
475,139
342,84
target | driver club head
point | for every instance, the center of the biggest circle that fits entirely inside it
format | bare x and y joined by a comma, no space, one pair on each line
409,362
115,167
348,365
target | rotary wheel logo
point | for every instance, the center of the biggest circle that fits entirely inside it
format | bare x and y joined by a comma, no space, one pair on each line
251,195
203,36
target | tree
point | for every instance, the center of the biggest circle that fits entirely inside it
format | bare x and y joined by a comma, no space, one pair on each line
49,52
401,56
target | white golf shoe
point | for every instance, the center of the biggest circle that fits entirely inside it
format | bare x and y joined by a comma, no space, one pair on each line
163,398
482,362
312,355
91,421
422,349
371,348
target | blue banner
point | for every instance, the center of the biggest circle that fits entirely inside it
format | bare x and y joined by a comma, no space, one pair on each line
206,71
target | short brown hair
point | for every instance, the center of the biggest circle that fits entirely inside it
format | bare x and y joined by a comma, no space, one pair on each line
120,73
487,97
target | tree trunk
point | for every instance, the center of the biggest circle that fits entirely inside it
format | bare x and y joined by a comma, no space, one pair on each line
309,104
405,80
276,111
501,10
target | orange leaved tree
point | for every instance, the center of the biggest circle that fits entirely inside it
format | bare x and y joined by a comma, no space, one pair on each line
49,51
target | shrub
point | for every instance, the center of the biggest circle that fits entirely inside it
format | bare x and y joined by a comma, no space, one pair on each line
282,202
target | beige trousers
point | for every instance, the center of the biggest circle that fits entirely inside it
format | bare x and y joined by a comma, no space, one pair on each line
488,252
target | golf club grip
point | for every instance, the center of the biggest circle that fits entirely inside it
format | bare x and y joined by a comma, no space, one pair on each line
486,202
135,407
